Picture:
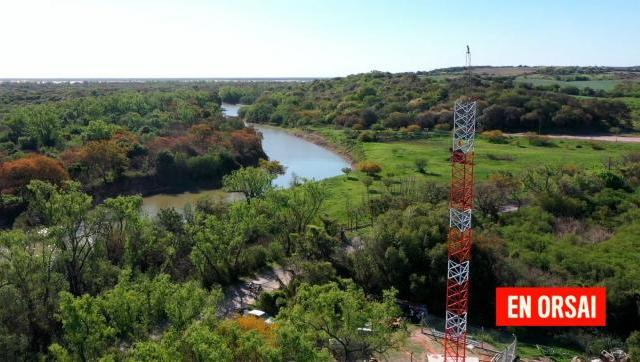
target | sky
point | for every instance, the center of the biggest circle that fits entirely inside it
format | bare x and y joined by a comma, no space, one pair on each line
306,38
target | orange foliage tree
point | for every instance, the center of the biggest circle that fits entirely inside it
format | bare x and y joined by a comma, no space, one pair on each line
369,167
248,144
103,160
14,175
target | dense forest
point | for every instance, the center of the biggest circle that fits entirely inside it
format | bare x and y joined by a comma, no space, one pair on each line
379,101
86,276
86,283
118,141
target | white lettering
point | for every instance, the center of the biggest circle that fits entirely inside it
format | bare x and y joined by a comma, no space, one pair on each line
583,307
556,306
518,306
571,313
544,307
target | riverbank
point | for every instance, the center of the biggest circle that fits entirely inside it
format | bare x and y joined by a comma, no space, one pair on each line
322,141
318,139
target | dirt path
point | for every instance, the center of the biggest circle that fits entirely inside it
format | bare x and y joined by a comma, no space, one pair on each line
604,138
244,294
428,347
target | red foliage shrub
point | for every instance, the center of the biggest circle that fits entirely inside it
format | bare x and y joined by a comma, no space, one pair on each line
247,143
14,175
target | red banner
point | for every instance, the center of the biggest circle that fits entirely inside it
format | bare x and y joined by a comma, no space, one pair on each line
552,307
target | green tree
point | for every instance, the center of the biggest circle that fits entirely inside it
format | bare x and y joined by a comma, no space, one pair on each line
29,286
99,130
39,124
368,117
66,214
315,243
186,303
345,320
106,160
296,346
296,208
252,182
220,242
258,113
231,95
152,351
186,112
87,333
367,181
633,346
120,223
203,344
125,307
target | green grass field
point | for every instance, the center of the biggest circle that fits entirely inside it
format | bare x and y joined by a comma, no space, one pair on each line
604,84
398,160
518,155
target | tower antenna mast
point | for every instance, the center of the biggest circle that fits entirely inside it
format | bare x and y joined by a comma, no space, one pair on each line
467,72
460,229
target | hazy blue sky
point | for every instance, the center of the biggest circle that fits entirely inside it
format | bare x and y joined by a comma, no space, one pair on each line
207,38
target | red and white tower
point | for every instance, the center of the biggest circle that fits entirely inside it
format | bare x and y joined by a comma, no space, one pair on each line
460,230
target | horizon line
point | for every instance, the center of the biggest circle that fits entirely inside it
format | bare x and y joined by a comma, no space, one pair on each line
299,78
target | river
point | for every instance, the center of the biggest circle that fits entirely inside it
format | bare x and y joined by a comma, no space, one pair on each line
300,157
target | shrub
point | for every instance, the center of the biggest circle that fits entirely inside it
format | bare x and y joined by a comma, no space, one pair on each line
254,258
613,180
413,128
387,182
205,166
596,145
563,205
368,117
537,140
369,167
251,323
367,181
274,167
377,126
494,157
397,120
442,127
633,344
271,302
495,136
367,136
421,164
27,143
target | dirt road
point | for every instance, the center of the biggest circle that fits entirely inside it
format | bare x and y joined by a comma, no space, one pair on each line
604,138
